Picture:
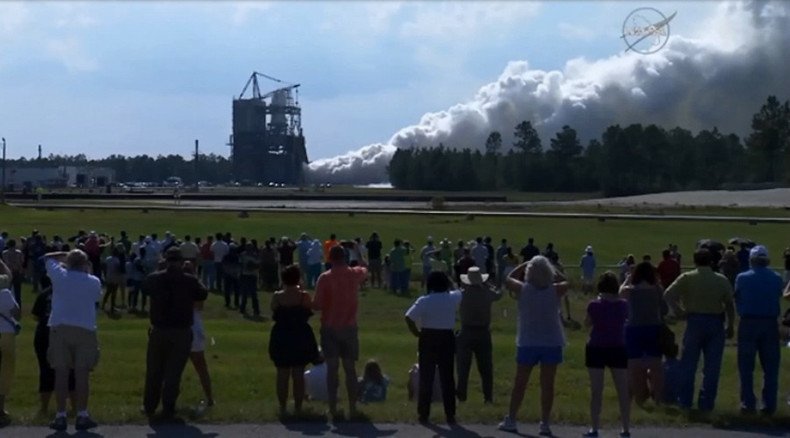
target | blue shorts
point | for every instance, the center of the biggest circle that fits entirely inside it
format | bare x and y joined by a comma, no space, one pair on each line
642,341
538,355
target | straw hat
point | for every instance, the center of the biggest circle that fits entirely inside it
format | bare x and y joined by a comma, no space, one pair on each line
473,276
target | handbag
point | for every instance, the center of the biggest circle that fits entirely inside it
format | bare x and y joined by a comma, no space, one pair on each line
16,325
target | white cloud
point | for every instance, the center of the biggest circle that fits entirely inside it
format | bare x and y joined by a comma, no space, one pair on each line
72,54
718,78
572,32
14,17
242,12
454,21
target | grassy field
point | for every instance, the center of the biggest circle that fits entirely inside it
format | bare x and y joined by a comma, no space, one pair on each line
243,375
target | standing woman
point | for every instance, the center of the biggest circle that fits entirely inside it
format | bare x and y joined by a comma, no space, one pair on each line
292,343
434,314
115,277
46,375
540,338
642,331
9,313
606,349
197,353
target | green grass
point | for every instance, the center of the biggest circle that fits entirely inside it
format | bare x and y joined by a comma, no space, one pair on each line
243,375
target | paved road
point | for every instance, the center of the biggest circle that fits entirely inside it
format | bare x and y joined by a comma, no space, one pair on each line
371,208
366,430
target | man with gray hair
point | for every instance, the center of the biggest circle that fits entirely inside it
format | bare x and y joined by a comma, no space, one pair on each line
757,295
72,323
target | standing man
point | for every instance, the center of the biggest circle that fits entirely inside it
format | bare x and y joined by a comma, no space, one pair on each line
73,344
479,252
668,269
14,259
529,250
189,250
426,253
219,249
703,297
757,295
588,269
475,335
501,252
303,245
398,268
173,294
373,246
336,297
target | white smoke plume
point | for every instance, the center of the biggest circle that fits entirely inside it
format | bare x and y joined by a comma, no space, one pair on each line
717,79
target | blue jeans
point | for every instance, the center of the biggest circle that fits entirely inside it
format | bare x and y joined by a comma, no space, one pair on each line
759,336
704,335
208,274
248,284
313,272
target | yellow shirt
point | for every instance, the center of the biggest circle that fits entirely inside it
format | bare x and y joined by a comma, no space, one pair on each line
701,291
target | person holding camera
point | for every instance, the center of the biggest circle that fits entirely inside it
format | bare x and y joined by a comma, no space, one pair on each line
73,343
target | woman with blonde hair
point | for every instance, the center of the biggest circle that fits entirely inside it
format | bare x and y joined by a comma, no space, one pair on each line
540,338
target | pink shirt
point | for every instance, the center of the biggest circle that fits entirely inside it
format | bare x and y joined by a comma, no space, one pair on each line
337,295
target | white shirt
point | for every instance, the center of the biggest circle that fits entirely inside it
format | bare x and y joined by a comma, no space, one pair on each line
220,250
435,310
315,383
136,247
189,250
7,304
74,297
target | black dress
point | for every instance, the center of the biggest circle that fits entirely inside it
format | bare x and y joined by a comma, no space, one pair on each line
292,342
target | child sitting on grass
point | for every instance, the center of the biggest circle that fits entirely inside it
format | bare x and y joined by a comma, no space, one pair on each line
373,383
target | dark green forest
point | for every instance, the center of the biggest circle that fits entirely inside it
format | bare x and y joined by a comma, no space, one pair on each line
626,160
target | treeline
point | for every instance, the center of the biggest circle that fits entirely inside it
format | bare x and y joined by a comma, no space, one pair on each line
213,168
625,160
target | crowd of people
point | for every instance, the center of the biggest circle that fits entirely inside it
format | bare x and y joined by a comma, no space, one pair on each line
627,315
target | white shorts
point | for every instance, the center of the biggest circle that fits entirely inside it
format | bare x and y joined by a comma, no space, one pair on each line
198,334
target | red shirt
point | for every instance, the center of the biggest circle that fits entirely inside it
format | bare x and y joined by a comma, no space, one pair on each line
205,252
337,295
668,271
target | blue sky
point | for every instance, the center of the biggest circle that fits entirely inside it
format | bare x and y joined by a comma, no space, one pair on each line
150,77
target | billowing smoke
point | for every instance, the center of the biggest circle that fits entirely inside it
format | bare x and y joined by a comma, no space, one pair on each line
363,166
718,79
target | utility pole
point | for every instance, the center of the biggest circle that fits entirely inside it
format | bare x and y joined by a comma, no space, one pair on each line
2,194
195,163
39,152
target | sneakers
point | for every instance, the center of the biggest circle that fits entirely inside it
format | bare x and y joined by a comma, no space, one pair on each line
84,423
508,424
625,434
545,430
592,433
59,424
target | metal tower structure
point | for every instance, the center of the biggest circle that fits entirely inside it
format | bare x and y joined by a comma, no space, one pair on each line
267,144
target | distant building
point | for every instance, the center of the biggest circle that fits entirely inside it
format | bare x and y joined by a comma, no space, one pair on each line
267,144
18,178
